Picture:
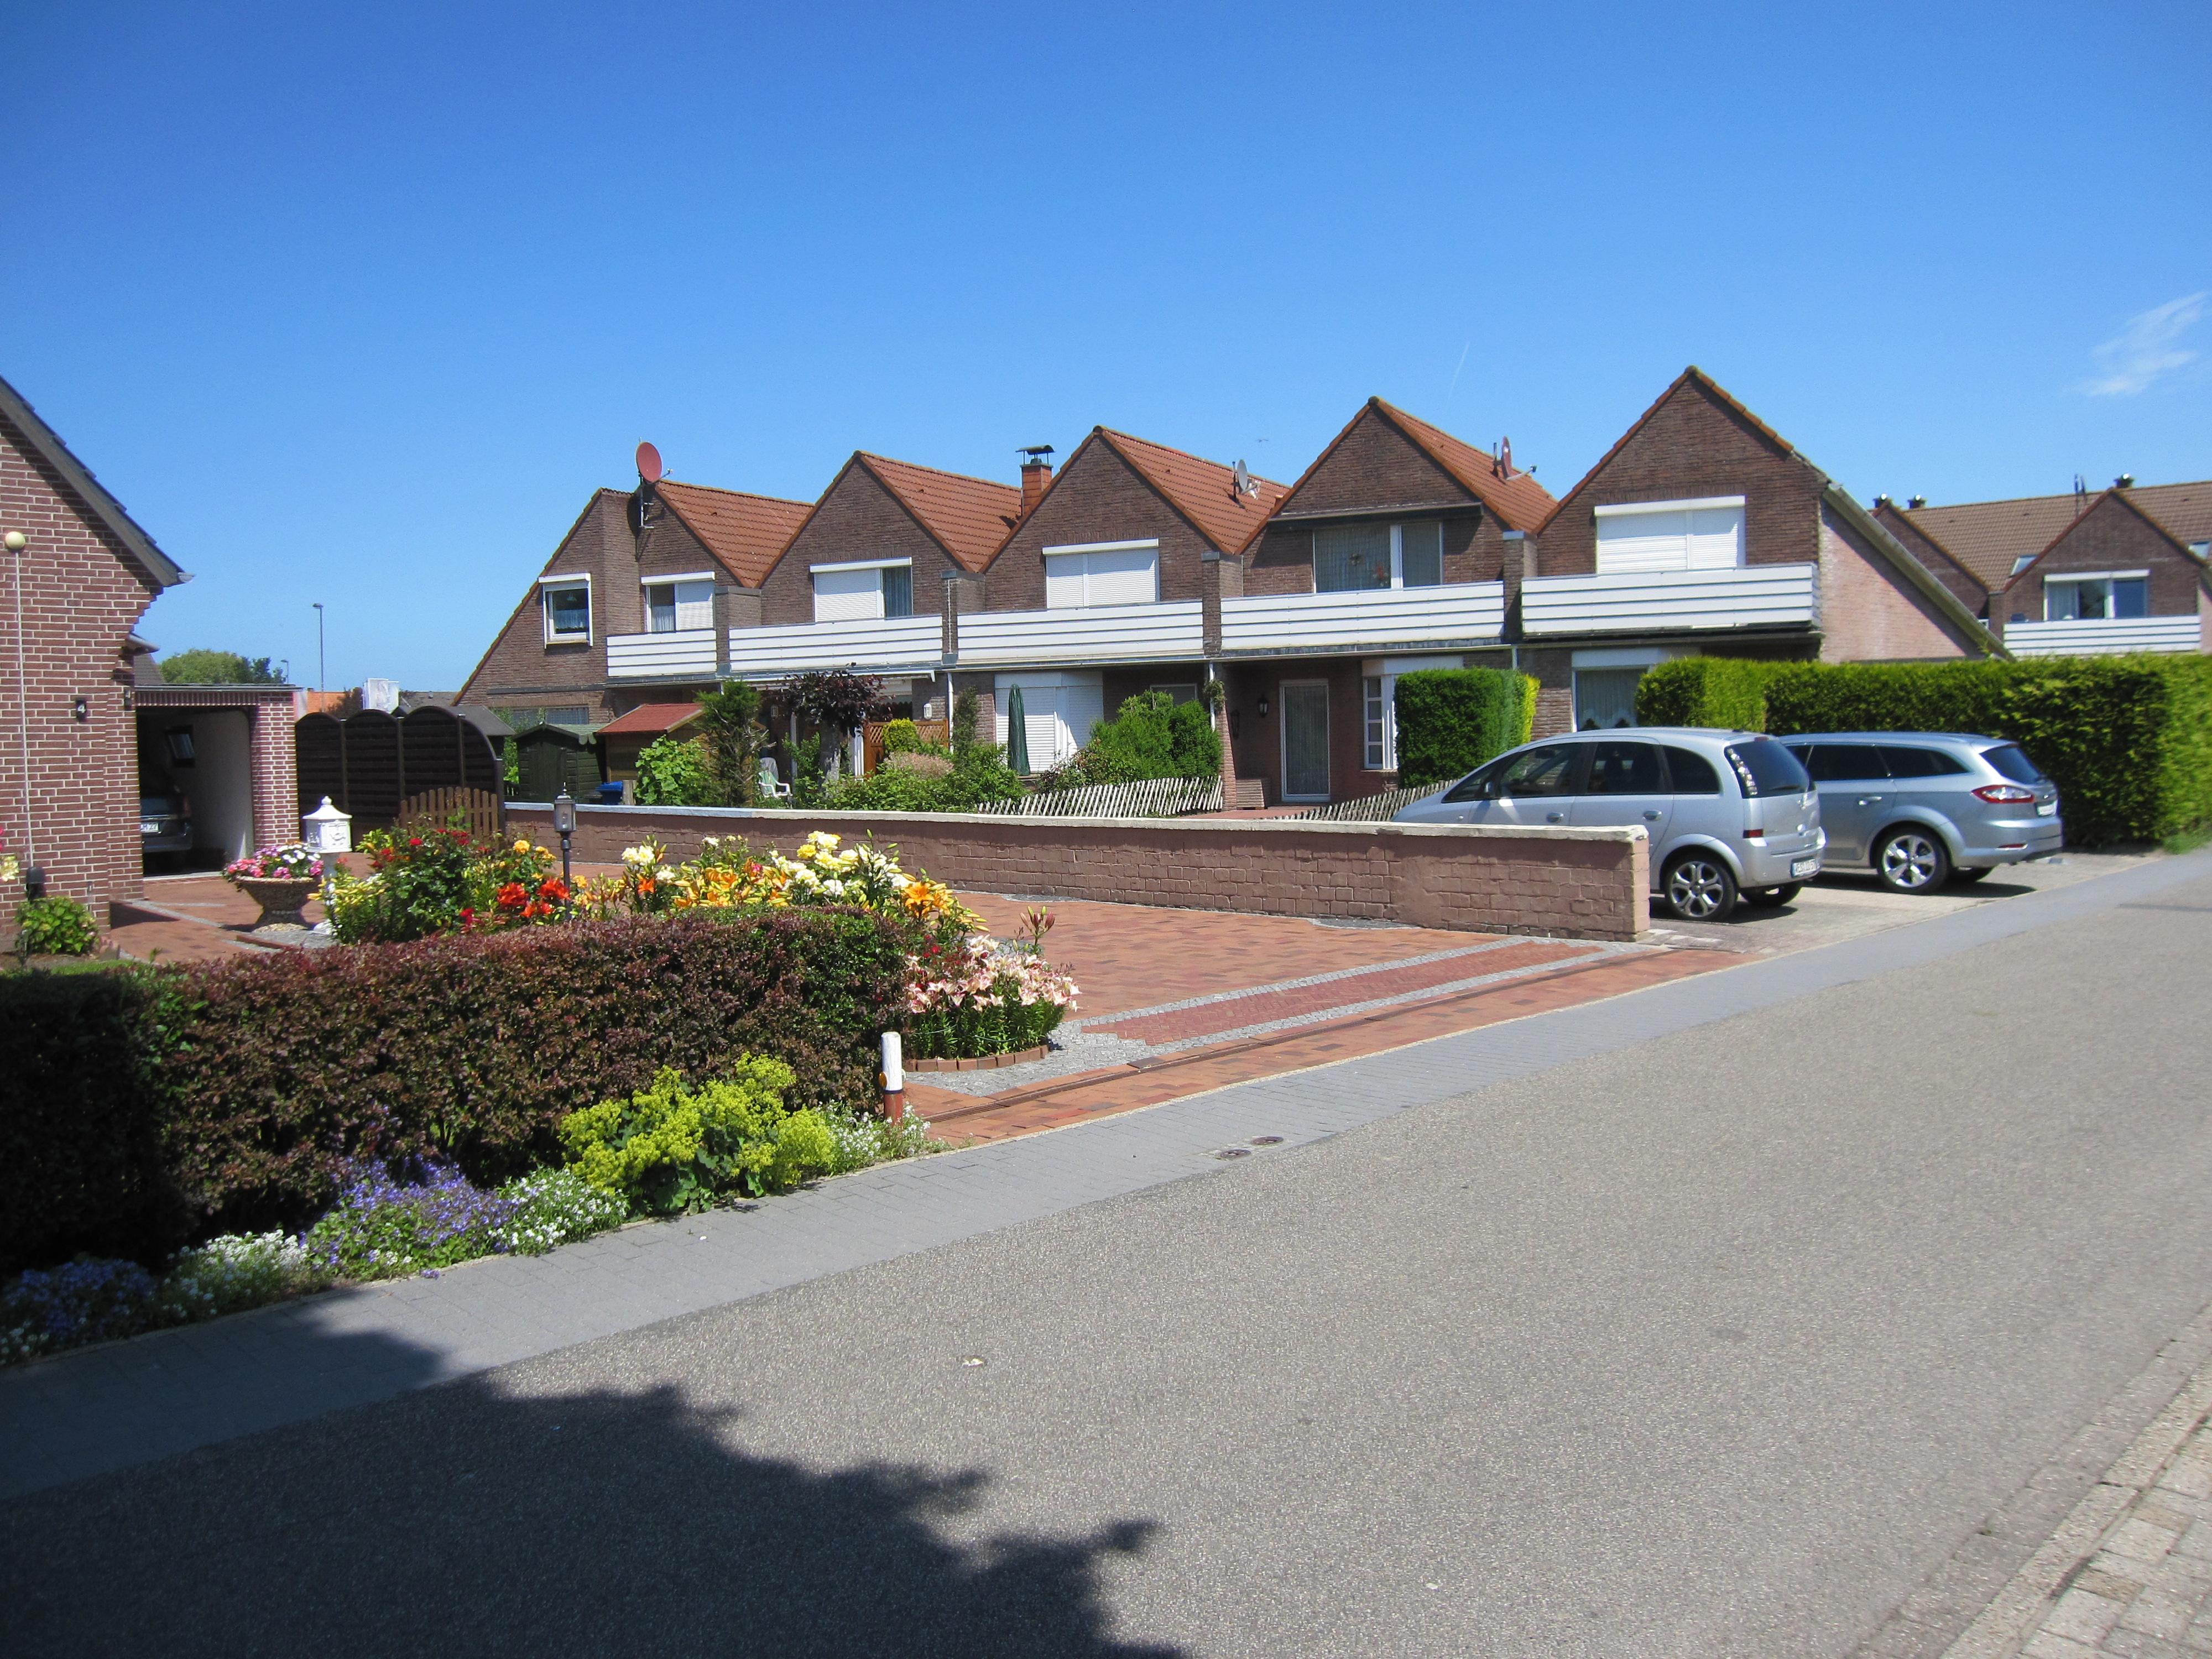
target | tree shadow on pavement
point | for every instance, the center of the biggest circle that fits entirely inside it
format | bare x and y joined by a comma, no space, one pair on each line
456,1521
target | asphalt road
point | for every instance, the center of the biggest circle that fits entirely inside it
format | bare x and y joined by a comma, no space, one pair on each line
1717,1344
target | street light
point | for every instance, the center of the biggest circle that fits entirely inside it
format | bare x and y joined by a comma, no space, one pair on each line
565,825
322,679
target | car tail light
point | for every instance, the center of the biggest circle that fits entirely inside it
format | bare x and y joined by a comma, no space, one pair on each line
2004,794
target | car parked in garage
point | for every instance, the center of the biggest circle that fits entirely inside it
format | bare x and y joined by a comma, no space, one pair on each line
1730,814
1921,808
165,828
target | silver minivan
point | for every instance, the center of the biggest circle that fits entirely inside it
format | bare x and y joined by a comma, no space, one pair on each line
1730,813
1921,808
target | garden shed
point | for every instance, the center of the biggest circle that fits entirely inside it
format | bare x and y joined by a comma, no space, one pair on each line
548,757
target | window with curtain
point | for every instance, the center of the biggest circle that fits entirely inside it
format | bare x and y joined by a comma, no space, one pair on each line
1353,557
2095,598
671,605
567,613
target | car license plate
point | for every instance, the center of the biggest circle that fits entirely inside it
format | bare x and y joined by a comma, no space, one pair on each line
2049,809
1805,866
149,829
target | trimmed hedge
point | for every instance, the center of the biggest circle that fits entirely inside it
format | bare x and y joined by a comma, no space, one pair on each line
1452,719
135,1106
2128,740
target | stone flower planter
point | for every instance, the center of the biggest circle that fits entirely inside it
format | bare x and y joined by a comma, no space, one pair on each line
281,898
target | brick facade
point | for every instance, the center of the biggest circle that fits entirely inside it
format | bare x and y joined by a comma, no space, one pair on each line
1959,583
1867,615
1569,884
857,518
82,591
1098,497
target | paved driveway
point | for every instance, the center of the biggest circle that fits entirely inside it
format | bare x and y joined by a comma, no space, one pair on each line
1715,1342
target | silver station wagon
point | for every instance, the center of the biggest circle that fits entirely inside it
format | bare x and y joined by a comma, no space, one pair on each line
1730,813
1921,808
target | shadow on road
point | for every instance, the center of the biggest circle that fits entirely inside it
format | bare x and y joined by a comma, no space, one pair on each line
456,1521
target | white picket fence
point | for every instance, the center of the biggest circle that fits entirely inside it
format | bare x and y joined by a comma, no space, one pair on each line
1369,809
1154,798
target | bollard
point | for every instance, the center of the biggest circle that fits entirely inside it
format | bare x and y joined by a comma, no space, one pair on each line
893,1078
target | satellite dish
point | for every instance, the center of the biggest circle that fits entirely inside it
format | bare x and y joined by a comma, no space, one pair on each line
648,463
1247,485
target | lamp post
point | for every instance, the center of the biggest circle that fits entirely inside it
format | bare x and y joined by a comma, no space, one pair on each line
322,678
17,542
565,825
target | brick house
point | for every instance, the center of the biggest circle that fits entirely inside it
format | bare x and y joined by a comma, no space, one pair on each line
1703,531
2125,570
666,569
76,591
1110,583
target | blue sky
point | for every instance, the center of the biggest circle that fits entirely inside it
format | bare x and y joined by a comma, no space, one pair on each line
358,304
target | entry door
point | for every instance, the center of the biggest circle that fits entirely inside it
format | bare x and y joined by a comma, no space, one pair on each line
1305,741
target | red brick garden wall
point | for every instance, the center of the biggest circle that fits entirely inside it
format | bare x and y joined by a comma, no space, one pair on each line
1570,883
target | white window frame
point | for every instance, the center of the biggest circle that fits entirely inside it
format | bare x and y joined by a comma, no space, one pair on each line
1397,558
1283,736
646,584
2077,578
845,566
1069,548
591,633
861,564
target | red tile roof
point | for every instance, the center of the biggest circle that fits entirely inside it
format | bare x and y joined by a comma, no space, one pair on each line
968,517
1519,501
746,533
649,718
1203,491
1990,538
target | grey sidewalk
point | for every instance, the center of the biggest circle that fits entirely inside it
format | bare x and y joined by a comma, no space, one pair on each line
109,1409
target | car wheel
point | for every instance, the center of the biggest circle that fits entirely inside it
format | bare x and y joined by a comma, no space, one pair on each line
1773,898
1911,861
1972,872
1698,887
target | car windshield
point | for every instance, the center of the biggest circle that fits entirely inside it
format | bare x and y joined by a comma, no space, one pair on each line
2011,762
1765,768
156,807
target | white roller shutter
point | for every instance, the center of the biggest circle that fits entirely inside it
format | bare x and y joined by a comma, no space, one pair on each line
1669,535
1082,707
848,595
695,605
1063,581
1102,575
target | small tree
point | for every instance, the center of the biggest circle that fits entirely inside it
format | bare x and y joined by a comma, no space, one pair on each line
205,667
966,712
837,699
732,737
1153,737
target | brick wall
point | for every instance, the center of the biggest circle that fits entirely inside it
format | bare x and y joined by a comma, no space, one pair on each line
82,595
1870,613
1572,884
856,518
1694,445
2110,535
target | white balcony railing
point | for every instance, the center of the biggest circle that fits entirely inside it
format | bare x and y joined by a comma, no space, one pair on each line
1093,634
1751,596
2106,637
1379,618
898,642
688,653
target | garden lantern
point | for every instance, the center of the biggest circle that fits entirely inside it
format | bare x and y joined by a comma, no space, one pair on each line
565,825
894,1077
327,832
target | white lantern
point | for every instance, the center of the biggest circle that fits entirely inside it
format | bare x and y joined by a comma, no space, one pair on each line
327,829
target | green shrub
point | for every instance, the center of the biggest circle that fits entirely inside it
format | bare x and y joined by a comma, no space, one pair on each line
55,925
1452,719
901,736
672,771
667,1148
978,774
1726,692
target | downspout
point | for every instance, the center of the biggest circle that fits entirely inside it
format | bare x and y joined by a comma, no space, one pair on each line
17,541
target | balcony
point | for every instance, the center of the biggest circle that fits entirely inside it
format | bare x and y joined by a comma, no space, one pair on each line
1093,634
898,642
1370,619
1673,601
686,654
2107,636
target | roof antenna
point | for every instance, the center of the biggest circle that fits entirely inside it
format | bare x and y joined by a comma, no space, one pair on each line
2080,495
1501,459
1244,482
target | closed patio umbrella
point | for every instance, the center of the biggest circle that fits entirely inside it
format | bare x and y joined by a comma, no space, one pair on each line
1018,734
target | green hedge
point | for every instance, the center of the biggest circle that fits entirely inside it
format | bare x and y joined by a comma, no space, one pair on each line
136,1106
2128,740
1452,719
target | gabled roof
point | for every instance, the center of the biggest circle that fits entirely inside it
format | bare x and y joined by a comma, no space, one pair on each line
1990,538
1692,376
650,719
159,566
745,533
2125,498
1205,492
1519,501
967,517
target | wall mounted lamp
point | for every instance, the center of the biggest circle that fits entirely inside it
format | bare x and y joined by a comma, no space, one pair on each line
1263,706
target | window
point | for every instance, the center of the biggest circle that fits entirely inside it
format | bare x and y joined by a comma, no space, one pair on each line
687,603
567,610
1381,723
1550,770
2011,763
1185,692
1105,573
1624,768
2096,598
1905,763
866,589
1706,534
1351,558
1843,762
569,714
1605,698
1691,773
1765,768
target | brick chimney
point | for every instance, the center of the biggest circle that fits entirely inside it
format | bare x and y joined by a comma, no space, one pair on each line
1036,475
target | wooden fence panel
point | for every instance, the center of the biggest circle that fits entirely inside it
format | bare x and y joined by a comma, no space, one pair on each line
482,810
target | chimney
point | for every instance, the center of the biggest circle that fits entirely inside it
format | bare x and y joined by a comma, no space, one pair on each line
1916,502
1036,475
